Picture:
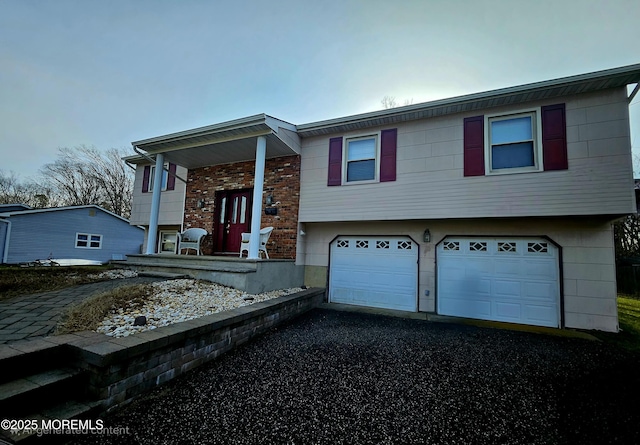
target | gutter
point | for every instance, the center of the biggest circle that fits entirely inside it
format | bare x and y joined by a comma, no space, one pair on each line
5,255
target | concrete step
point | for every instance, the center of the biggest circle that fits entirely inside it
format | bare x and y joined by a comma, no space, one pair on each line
193,261
140,265
66,410
20,396
166,275
33,355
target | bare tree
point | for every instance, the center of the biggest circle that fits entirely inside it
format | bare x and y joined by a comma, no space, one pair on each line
83,175
390,102
15,191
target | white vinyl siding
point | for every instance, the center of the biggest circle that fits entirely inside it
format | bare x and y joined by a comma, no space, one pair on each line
430,181
171,203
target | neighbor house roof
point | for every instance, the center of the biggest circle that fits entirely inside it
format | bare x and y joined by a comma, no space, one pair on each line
57,209
564,86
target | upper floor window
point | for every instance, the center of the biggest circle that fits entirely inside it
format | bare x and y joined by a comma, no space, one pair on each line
366,159
512,143
361,158
88,241
526,141
168,178
165,176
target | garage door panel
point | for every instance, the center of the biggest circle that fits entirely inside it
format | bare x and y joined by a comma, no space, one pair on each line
544,269
503,279
374,271
467,308
540,291
507,288
508,311
539,315
506,267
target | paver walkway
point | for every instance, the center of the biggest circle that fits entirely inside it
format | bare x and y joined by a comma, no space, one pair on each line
36,315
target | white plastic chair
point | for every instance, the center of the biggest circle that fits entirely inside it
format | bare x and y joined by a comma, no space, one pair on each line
264,237
190,239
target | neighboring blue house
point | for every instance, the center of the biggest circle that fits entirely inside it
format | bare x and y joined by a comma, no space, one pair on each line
79,232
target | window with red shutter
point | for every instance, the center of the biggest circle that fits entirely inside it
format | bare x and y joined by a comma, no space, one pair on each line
363,161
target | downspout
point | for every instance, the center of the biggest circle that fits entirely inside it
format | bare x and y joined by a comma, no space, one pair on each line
634,92
5,254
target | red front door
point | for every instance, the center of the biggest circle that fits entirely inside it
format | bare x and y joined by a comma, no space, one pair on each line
233,218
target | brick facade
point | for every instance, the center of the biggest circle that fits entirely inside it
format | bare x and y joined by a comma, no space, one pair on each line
281,179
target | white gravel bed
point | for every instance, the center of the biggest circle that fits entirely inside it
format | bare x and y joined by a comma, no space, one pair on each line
181,300
115,274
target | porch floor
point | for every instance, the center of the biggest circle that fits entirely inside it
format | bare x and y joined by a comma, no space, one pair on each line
250,275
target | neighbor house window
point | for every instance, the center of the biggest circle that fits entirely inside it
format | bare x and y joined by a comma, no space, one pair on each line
512,142
88,241
361,155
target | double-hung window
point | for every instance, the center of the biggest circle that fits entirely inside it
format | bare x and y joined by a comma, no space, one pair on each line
88,241
532,140
513,143
165,176
361,158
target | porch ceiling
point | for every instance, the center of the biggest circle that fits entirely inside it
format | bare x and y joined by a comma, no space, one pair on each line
225,143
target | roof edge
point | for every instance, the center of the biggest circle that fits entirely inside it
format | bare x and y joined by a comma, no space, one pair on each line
553,83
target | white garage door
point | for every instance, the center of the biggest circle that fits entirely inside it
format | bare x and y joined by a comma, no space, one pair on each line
375,271
504,279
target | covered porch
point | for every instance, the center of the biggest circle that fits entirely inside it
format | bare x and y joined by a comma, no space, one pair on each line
241,176
226,193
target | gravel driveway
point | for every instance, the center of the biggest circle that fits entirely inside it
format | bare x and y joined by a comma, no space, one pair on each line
337,377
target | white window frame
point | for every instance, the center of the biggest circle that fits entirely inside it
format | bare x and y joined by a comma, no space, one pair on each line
535,113
89,241
165,177
345,154
172,233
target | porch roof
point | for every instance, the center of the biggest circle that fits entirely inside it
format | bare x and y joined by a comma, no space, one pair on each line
223,143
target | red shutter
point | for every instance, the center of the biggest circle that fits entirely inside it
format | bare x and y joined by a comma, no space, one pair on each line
388,147
474,146
145,179
171,180
554,137
335,161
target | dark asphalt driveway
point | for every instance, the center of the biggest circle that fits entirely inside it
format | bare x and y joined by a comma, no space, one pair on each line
337,377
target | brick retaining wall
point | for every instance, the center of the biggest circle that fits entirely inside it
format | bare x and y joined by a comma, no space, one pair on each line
122,368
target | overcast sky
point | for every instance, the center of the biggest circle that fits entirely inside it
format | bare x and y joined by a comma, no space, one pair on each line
106,73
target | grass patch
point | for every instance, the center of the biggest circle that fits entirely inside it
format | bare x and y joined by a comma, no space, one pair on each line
15,280
629,320
87,315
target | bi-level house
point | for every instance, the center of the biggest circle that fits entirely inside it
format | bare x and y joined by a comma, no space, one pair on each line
497,205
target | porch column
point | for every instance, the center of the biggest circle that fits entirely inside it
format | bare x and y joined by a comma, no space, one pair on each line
256,210
155,205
